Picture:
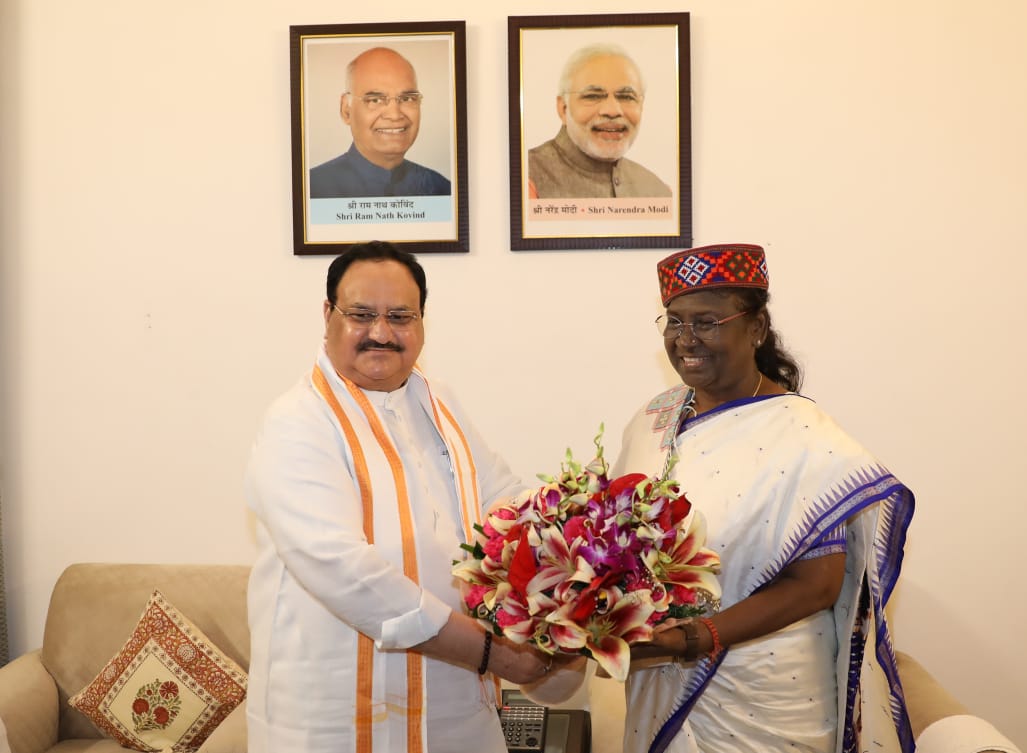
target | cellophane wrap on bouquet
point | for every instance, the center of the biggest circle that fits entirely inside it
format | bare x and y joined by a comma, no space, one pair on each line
589,565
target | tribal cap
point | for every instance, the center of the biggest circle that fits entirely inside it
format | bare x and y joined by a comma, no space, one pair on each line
736,265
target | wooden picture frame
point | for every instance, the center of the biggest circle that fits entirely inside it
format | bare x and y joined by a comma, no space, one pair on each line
396,169
610,173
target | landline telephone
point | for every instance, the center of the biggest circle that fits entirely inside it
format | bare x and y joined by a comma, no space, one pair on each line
531,728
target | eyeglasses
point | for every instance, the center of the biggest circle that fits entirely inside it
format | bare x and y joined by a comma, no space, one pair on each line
381,101
705,329
365,319
596,97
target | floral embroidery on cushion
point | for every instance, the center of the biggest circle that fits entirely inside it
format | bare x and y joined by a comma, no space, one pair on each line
194,687
156,705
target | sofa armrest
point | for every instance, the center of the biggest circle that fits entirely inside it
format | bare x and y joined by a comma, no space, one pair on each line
926,700
29,705
940,723
230,736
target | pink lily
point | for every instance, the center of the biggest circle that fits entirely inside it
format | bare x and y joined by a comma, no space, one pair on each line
607,634
684,562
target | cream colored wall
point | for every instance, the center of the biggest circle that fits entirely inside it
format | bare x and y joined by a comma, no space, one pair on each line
152,306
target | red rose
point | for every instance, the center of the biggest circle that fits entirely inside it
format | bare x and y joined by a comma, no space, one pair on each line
680,508
514,533
625,484
683,595
592,597
140,706
522,566
585,607
664,519
161,715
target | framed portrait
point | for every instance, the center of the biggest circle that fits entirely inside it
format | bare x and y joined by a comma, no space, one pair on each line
379,136
600,131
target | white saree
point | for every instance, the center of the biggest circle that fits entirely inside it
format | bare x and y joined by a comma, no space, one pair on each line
777,480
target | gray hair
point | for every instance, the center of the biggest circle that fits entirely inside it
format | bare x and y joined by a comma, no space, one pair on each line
582,56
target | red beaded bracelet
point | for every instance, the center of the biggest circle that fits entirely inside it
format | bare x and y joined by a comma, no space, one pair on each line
718,648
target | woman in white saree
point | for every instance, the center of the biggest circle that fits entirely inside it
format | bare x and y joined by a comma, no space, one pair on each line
809,527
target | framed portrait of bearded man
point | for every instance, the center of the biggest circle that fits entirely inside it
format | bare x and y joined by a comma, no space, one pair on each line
600,131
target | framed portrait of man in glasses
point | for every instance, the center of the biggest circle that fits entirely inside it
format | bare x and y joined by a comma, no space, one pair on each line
379,136
600,147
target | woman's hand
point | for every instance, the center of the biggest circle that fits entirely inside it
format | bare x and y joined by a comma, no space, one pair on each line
670,622
668,642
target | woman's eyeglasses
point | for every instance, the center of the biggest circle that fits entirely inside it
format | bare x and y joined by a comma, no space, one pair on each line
705,329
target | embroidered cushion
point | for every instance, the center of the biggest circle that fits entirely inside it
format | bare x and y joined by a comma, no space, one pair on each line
168,688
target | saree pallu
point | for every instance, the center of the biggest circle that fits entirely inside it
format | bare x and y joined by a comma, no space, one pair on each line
776,480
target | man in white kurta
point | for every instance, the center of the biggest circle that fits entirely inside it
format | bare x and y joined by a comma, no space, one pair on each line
364,482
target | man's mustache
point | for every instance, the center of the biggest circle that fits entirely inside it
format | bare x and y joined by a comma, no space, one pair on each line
375,345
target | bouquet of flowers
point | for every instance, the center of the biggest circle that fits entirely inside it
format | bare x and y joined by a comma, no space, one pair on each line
587,564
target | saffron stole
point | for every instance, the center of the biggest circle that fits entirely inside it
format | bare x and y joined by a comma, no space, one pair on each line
357,418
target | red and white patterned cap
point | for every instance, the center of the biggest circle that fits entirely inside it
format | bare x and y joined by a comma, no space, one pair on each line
734,265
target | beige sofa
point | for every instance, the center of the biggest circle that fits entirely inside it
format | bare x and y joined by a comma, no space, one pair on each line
94,608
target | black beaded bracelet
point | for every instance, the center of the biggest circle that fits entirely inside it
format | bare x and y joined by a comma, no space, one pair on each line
484,666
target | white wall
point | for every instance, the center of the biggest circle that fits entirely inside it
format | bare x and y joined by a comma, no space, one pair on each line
152,305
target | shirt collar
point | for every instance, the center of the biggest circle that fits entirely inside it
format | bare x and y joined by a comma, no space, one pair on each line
371,173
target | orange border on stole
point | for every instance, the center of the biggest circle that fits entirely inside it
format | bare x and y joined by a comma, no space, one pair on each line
365,650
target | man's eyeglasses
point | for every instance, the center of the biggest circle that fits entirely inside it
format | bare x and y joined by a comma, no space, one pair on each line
381,101
365,319
705,329
595,97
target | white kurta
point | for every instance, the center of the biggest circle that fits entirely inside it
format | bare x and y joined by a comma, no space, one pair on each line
317,583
